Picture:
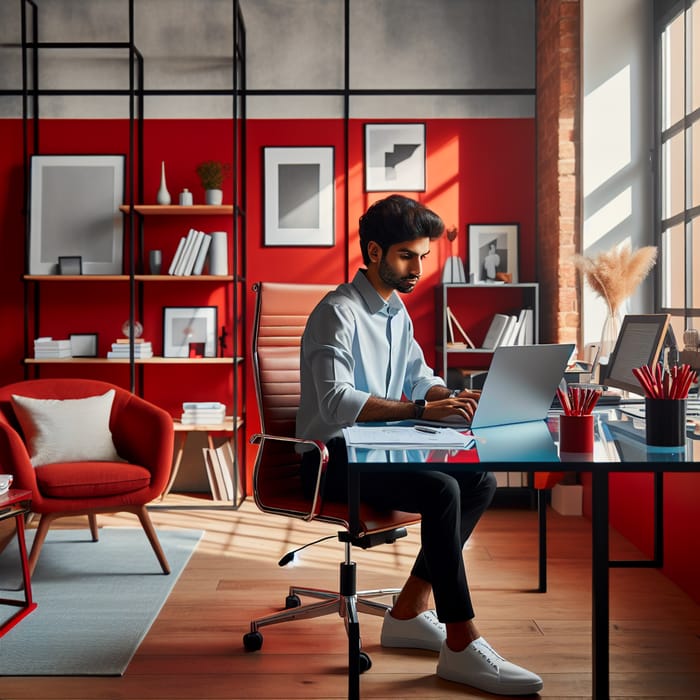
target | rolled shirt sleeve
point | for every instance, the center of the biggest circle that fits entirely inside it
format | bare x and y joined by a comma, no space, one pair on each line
356,345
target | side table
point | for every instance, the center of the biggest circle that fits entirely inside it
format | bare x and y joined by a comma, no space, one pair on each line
16,504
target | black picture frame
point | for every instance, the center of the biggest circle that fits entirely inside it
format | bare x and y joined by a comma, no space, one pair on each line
83,344
70,265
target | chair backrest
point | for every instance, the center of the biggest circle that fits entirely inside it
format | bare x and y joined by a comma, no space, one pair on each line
280,318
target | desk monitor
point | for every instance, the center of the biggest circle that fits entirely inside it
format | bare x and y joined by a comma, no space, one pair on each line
640,343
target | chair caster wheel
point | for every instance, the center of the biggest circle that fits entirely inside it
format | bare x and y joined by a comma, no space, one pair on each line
292,601
252,641
365,662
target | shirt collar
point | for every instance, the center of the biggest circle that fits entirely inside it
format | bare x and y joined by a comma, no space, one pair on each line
373,299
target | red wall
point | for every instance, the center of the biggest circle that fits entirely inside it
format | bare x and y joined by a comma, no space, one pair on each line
478,171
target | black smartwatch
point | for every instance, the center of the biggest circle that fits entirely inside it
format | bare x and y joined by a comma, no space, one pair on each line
419,408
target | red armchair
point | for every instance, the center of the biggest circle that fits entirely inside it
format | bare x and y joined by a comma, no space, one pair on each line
143,437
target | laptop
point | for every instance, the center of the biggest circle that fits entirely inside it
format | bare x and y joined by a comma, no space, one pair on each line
520,385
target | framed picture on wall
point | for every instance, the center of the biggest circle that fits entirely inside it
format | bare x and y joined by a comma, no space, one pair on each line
493,253
299,196
74,213
395,157
189,331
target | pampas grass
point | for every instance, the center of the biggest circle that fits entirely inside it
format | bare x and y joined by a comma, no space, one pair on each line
615,274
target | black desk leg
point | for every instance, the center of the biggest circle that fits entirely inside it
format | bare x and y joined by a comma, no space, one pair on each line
542,537
601,591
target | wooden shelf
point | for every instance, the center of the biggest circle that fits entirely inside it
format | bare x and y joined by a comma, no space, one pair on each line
183,278
176,210
125,278
138,361
77,278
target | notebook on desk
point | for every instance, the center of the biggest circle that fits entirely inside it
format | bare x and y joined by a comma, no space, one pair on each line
519,386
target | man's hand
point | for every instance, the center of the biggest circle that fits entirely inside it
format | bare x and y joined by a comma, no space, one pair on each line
463,405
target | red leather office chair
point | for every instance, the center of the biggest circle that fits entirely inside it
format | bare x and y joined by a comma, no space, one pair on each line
280,317
143,436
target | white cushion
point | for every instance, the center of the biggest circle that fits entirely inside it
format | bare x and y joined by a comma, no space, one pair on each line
67,430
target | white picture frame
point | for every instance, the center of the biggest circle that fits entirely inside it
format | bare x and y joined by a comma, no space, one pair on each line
299,196
189,331
493,253
74,212
395,157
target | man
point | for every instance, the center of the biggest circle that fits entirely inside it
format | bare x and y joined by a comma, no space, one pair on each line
491,262
359,363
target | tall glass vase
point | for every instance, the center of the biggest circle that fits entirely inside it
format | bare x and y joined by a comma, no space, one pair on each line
608,338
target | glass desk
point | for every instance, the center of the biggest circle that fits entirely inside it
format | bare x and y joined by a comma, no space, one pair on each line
619,447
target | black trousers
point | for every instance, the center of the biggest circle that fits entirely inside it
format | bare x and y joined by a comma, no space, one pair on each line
450,504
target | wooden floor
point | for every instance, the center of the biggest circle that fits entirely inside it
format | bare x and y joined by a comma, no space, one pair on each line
194,649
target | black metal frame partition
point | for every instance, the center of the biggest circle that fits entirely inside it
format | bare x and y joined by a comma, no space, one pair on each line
136,93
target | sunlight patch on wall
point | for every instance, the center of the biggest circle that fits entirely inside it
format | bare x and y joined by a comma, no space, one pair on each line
606,218
607,139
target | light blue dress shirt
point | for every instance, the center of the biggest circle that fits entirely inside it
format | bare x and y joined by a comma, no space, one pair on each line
355,345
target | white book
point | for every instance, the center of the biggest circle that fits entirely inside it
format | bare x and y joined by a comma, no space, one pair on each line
527,330
495,331
176,257
517,331
508,332
112,355
186,419
225,459
189,240
211,466
202,255
193,252
186,405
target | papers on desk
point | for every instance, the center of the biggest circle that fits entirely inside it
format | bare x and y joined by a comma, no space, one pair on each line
400,437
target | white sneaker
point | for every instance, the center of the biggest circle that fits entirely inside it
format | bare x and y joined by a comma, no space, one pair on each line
481,667
424,631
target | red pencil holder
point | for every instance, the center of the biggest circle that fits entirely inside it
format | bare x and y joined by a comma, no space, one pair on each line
665,422
576,433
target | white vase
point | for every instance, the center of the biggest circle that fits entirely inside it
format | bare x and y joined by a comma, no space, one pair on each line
608,339
163,196
214,197
218,254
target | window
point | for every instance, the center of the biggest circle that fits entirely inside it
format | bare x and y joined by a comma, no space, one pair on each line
678,157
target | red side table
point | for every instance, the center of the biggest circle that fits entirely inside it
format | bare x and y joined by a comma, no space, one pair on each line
15,504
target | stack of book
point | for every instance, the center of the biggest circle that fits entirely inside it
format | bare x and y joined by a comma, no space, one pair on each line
48,348
120,349
203,413
191,254
510,329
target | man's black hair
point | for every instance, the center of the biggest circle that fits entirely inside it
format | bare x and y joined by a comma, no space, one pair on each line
396,219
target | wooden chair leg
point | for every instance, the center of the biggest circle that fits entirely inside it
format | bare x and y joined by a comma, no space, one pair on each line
41,531
150,531
92,519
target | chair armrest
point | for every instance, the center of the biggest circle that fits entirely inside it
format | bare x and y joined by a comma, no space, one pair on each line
15,459
143,434
320,447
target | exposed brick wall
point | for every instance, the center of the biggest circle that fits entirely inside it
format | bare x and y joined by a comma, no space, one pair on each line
558,167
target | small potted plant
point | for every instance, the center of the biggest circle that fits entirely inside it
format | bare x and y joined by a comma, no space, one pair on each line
212,174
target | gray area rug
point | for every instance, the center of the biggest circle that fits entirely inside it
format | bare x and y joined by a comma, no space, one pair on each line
95,600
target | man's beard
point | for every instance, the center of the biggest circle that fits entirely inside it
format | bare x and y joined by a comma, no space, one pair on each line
387,274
